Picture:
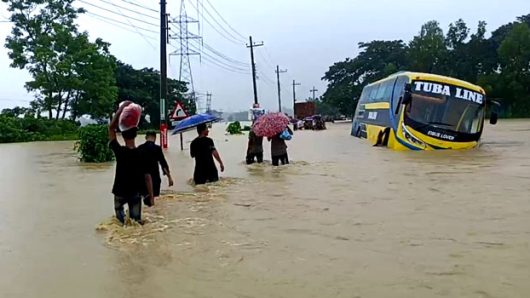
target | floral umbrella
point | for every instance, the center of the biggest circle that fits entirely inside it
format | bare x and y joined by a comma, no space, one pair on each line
270,124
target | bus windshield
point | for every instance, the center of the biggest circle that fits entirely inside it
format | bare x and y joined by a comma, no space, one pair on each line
446,112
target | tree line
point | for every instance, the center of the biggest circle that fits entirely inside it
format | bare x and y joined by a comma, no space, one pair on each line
499,63
72,75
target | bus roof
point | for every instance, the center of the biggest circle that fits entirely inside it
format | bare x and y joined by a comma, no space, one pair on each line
433,78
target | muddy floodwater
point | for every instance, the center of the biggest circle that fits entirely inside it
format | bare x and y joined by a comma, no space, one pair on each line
343,220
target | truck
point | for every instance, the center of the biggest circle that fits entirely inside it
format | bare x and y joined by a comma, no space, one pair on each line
304,109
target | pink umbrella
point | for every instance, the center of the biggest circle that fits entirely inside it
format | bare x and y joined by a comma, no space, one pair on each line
270,124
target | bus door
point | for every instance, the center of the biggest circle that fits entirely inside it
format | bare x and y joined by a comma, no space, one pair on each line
397,97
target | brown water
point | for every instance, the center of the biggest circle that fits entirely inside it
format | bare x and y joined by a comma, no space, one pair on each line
344,220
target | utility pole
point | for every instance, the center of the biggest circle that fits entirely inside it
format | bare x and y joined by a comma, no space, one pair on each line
294,97
278,71
252,46
208,102
313,90
163,73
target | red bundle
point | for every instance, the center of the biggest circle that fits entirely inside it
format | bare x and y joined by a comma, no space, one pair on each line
130,117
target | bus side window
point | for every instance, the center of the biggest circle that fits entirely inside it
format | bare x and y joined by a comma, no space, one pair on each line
399,90
373,94
381,93
389,86
365,94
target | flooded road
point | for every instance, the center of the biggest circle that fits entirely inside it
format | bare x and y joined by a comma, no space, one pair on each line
344,220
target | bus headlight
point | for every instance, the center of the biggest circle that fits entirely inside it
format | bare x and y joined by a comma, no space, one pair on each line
411,138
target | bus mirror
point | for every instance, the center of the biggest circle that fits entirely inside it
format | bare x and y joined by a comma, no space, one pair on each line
407,98
493,118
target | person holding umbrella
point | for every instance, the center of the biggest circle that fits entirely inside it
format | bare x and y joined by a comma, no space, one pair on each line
275,126
279,148
204,151
202,148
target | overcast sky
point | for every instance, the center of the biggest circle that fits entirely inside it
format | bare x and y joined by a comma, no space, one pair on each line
303,36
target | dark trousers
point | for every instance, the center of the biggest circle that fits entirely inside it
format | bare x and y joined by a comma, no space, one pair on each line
283,158
251,157
201,176
135,207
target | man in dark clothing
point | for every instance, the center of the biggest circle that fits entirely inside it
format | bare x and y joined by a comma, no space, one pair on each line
255,148
154,156
203,150
279,149
132,176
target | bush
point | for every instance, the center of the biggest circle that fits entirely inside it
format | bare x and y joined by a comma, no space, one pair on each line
234,128
246,128
14,129
93,144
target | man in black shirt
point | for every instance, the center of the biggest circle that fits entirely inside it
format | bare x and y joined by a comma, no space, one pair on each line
203,150
132,175
154,156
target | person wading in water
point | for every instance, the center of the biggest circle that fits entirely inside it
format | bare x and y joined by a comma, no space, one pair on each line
132,175
203,150
279,149
154,156
255,148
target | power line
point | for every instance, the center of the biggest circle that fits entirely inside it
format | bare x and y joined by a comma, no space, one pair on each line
109,20
221,55
223,19
219,24
218,63
117,13
229,61
224,56
230,39
137,30
265,61
138,5
128,9
265,78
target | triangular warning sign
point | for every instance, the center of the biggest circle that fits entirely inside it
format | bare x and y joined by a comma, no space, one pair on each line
179,112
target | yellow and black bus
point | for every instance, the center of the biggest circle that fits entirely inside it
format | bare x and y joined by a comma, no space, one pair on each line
420,111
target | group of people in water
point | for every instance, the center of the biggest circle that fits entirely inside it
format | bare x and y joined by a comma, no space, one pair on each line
278,149
137,173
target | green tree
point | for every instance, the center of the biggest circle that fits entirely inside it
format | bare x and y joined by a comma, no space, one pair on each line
143,87
15,112
457,61
428,51
346,79
514,58
94,89
66,67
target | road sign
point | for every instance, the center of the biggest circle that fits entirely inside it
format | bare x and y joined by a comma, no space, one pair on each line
178,112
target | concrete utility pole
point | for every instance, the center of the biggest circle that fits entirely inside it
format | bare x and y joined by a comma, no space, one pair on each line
163,73
208,103
294,97
314,91
278,71
252,46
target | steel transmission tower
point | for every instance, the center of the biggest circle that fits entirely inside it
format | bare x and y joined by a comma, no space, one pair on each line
184,36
